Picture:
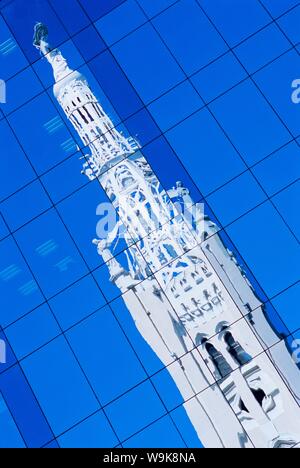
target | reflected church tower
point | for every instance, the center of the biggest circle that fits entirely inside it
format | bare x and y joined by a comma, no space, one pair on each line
184,289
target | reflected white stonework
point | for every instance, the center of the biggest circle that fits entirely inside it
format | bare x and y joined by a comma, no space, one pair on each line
186,292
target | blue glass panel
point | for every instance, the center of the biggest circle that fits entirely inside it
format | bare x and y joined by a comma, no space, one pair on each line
60,386
280,6
51,253
167,389
276,82
94,432
133,404
204,149
3,228
97,9
22,173
154,7
286,305
10,435
77,302
142,127
185,28
25,408
114,83
186,429
65,178
52,445
155,72
289,23
257,236
45,139
81,213
21,89
89,43
176,105
287,203
19,209
71,14
251,124
280,169
161,434
113,27
270,42
208,81
236,20
33,331
19,292
120,366
12,59
227,203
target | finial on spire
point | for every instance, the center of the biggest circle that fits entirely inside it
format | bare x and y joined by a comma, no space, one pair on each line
40,34
53,55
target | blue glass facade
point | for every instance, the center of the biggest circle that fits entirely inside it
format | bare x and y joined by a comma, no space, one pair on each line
205,86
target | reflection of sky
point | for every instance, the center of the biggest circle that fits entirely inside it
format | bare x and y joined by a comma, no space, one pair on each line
210,149
10,436
20,16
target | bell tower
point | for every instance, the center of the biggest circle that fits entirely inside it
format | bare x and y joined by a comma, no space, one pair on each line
185,290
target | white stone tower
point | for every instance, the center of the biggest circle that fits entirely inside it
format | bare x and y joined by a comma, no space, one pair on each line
186,292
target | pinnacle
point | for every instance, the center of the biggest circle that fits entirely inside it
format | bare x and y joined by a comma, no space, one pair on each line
40,33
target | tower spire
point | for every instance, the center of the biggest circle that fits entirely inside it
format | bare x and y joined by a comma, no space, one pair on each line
59,64
81,107
192,304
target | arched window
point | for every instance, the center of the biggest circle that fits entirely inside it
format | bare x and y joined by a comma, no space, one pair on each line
258,394
236,350
218,359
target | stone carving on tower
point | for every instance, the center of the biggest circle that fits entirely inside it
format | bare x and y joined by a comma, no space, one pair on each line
183,287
